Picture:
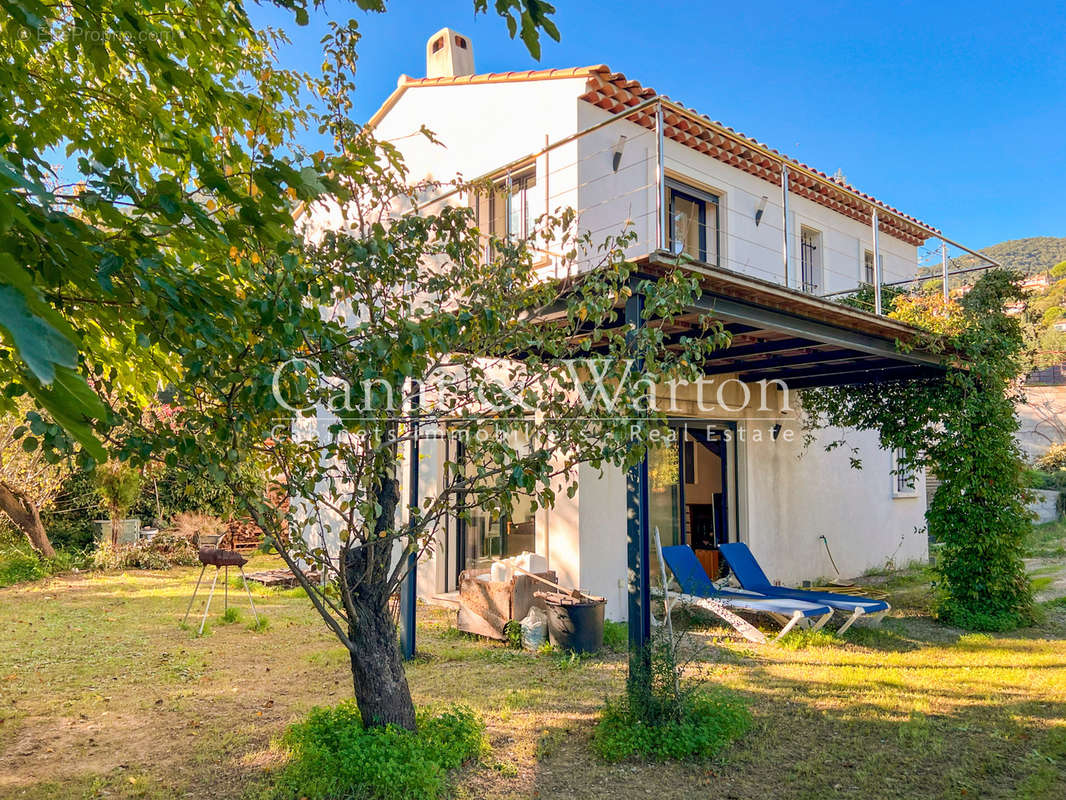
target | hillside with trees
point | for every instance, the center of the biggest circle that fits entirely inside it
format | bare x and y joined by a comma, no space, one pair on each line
1032,255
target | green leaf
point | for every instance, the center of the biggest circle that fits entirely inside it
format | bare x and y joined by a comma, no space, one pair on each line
40,346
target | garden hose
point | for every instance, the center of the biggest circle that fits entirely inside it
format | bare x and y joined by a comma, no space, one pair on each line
839,581
840,586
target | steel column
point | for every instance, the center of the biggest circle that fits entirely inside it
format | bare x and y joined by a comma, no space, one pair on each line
409,587
660,180
874,225
944,267
784,222
637,525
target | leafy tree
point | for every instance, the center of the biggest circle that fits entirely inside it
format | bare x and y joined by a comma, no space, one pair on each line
119,486
172,254
963,426
178,130
29,482
409,333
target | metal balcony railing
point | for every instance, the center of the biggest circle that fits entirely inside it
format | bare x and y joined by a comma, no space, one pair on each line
623,173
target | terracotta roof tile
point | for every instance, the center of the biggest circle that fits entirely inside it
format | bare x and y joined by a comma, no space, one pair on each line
503,77
614,92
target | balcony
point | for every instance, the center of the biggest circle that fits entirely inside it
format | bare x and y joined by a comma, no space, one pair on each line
687,190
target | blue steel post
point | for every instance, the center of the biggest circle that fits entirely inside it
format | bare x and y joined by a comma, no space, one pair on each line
409,587
637,524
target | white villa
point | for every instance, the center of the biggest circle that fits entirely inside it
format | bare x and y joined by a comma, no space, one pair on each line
774,242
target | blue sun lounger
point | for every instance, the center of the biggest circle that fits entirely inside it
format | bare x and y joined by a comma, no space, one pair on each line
696,586
750,576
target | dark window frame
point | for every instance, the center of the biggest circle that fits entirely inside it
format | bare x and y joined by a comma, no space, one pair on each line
701,199
811,267
522,183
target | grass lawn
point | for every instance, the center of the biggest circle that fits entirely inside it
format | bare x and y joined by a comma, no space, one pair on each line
103,695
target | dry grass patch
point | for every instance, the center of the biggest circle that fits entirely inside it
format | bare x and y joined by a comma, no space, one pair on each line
103,695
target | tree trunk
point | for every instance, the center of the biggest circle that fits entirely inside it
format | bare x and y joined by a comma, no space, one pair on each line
381,689
114,530
23,512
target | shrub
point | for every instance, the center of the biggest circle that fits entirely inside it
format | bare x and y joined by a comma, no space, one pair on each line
162,551
1038,479
333,756
709,719
512,632
66,532
19,564
1054,460
660,719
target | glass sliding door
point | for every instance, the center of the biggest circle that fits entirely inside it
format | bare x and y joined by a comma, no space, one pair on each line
664,501
487,533
688,480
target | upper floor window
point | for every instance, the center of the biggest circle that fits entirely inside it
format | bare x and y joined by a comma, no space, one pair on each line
508,210
868,275
693,222
512,207
903,479
810,258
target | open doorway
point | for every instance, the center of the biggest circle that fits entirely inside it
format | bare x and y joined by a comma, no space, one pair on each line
689,492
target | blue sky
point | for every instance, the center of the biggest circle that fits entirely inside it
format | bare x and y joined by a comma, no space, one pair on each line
952,112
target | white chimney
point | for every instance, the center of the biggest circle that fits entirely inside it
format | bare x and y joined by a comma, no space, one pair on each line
449,55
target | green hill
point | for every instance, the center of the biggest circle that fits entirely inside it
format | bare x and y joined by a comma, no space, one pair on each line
1035,254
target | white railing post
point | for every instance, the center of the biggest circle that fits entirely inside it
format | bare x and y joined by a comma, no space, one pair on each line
944,267
877,263
660,180
784,222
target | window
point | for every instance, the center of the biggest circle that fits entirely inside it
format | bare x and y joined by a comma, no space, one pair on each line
810,258
509,209
868,276
903,480
693,222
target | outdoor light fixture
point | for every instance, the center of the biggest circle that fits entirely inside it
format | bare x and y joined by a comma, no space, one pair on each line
776,431
616,152
759,211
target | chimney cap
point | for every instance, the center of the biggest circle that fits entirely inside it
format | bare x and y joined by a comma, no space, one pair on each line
449,54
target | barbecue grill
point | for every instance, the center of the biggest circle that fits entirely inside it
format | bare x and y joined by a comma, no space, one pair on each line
221,560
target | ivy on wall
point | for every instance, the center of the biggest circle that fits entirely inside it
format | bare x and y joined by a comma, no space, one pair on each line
963,426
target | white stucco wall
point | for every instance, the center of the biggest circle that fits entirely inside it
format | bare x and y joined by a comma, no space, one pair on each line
784,502
479,126
607,199
795,495
787,498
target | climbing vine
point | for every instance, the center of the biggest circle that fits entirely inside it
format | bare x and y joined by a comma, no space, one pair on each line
963,426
